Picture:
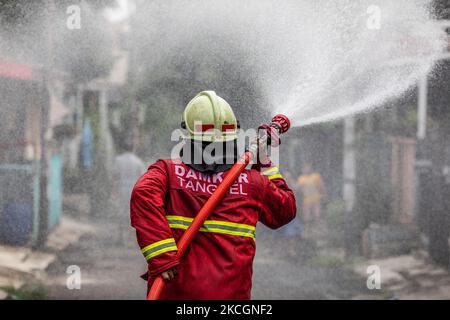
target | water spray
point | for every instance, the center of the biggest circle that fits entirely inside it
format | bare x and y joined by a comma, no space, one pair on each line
314,61
270,135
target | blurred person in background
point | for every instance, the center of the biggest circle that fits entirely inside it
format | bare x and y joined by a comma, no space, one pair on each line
313,192
127,169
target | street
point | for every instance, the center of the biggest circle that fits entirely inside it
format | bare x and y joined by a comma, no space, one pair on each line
108,271
282,270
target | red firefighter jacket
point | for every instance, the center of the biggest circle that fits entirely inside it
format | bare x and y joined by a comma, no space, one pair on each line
218,263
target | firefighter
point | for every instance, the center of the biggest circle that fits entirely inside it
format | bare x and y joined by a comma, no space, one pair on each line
164,201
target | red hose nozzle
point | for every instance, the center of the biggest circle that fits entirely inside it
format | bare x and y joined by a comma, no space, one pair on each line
282,122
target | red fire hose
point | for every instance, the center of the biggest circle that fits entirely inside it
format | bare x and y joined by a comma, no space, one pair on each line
280,124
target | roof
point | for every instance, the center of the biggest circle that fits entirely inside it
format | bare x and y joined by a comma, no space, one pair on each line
9,69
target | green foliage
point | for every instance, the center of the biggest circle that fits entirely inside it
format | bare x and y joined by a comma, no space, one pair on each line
373,191
162,116
34,31
335,212
167,74
73,180
29,292
85,53
335,219
441,9
14,12
327,261
166,90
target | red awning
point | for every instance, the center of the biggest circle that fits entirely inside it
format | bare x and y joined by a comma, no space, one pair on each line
15,70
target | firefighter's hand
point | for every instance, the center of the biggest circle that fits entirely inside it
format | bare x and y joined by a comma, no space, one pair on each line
169,274
263,157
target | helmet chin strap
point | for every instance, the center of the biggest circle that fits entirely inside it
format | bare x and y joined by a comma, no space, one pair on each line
194,155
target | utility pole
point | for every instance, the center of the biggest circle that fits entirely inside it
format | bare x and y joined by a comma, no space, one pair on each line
422,107
349,176
105,132
45,115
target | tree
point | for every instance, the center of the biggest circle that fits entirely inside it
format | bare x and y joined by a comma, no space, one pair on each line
168,70
33,30
442,9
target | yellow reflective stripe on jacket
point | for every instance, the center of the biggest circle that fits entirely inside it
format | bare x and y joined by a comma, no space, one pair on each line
273,173
224,227
275,176
270,171
230,224
159,247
